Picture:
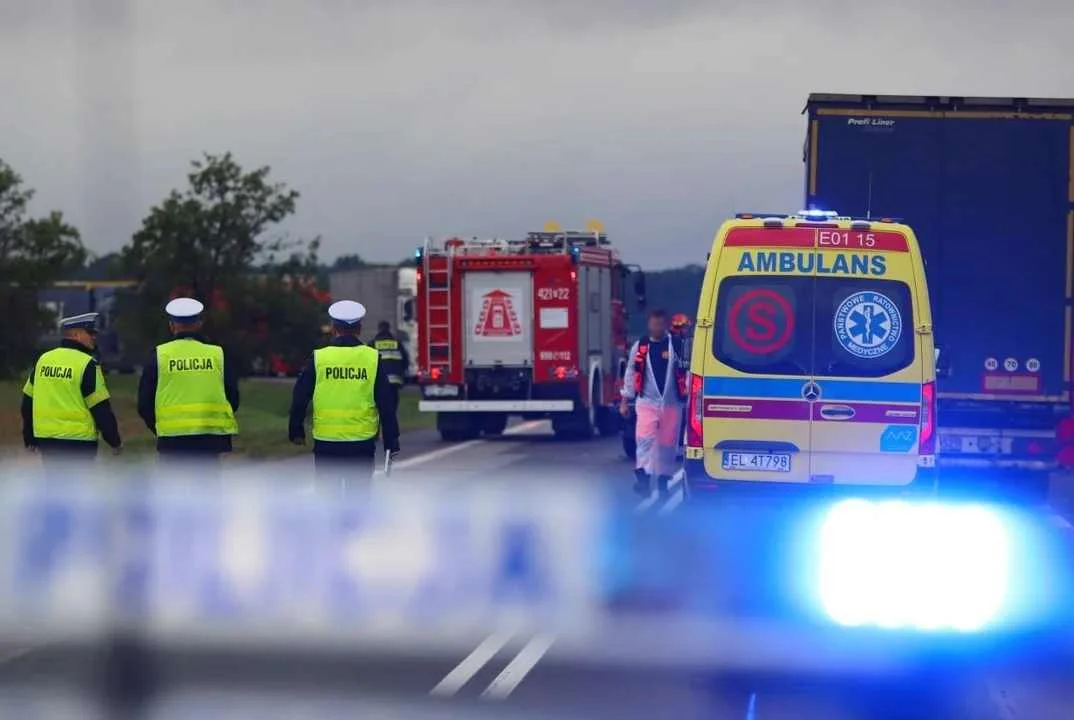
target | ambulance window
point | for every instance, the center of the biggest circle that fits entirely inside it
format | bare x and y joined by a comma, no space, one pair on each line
869,326
763,324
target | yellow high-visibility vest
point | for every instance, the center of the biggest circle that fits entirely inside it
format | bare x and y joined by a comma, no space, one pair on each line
344,409
60,411
190,397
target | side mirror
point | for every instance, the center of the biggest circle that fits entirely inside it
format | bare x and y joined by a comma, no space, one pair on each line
639,289
943,363
408,311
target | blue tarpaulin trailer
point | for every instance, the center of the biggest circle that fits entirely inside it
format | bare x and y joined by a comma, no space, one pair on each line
988,186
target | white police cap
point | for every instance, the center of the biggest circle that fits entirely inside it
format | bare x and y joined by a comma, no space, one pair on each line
85,321
183,308
346,312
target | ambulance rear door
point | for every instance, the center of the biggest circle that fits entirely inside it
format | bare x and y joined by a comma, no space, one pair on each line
757,374
868,370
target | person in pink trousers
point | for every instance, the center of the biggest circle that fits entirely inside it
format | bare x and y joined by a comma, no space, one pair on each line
655,380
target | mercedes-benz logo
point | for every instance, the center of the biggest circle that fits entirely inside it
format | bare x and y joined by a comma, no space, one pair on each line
811,391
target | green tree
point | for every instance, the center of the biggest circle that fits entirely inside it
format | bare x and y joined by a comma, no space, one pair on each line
213,241
34,252
101,267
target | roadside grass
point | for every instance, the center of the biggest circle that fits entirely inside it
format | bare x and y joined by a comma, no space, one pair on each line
262,417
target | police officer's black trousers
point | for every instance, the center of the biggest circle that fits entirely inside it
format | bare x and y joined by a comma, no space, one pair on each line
348,474
188,466
395,401
68,463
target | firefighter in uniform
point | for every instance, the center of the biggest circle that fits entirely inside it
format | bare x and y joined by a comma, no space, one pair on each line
393,357
656,381
65,403
189,392
353,401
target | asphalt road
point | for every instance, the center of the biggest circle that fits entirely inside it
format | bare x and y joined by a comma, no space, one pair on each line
536,676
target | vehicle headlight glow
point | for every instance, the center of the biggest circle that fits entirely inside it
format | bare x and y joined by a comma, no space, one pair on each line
928,566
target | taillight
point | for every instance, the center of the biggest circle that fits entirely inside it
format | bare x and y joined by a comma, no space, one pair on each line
694,412
927,445
435,374
563,372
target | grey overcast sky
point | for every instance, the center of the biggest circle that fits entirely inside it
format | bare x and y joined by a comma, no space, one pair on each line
403,118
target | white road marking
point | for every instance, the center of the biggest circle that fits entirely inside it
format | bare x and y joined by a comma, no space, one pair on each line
1061,522
519,429
751,707
471,664
516,671
673,502
648,502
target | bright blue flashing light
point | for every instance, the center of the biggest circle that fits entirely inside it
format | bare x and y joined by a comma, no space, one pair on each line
895,565
814,214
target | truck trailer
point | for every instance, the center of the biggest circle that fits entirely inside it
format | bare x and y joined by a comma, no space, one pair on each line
74,297
534,327
987,184
388,293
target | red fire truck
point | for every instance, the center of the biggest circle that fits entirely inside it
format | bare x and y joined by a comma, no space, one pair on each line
534,327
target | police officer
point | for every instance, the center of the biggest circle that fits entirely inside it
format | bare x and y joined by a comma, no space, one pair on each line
189,392
65,403
393,357
352,401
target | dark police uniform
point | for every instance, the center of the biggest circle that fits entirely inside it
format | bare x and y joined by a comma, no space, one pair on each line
65,402
394,360
353,401
189,393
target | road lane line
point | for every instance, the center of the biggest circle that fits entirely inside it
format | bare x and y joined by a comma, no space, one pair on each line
647,503
516,671
519,429
1061,522
751,707
654,497
673,502
471,664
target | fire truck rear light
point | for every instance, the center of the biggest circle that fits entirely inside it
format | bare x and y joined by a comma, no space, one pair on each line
435,374
694,431
564,373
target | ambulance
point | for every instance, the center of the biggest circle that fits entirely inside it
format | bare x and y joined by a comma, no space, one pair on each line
813,359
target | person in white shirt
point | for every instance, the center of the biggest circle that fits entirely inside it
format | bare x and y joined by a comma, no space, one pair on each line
655,380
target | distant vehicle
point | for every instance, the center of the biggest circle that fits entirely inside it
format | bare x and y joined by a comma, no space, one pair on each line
985,183
819,367
388,293
534,327
74,297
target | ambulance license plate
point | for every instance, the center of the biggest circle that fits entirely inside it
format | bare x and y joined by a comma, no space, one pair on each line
757,462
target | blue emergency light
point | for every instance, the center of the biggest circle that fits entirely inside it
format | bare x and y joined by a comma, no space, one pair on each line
923,566
814,214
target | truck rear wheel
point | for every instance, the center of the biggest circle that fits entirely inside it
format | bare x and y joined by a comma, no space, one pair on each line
457,427
493,423
575,425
